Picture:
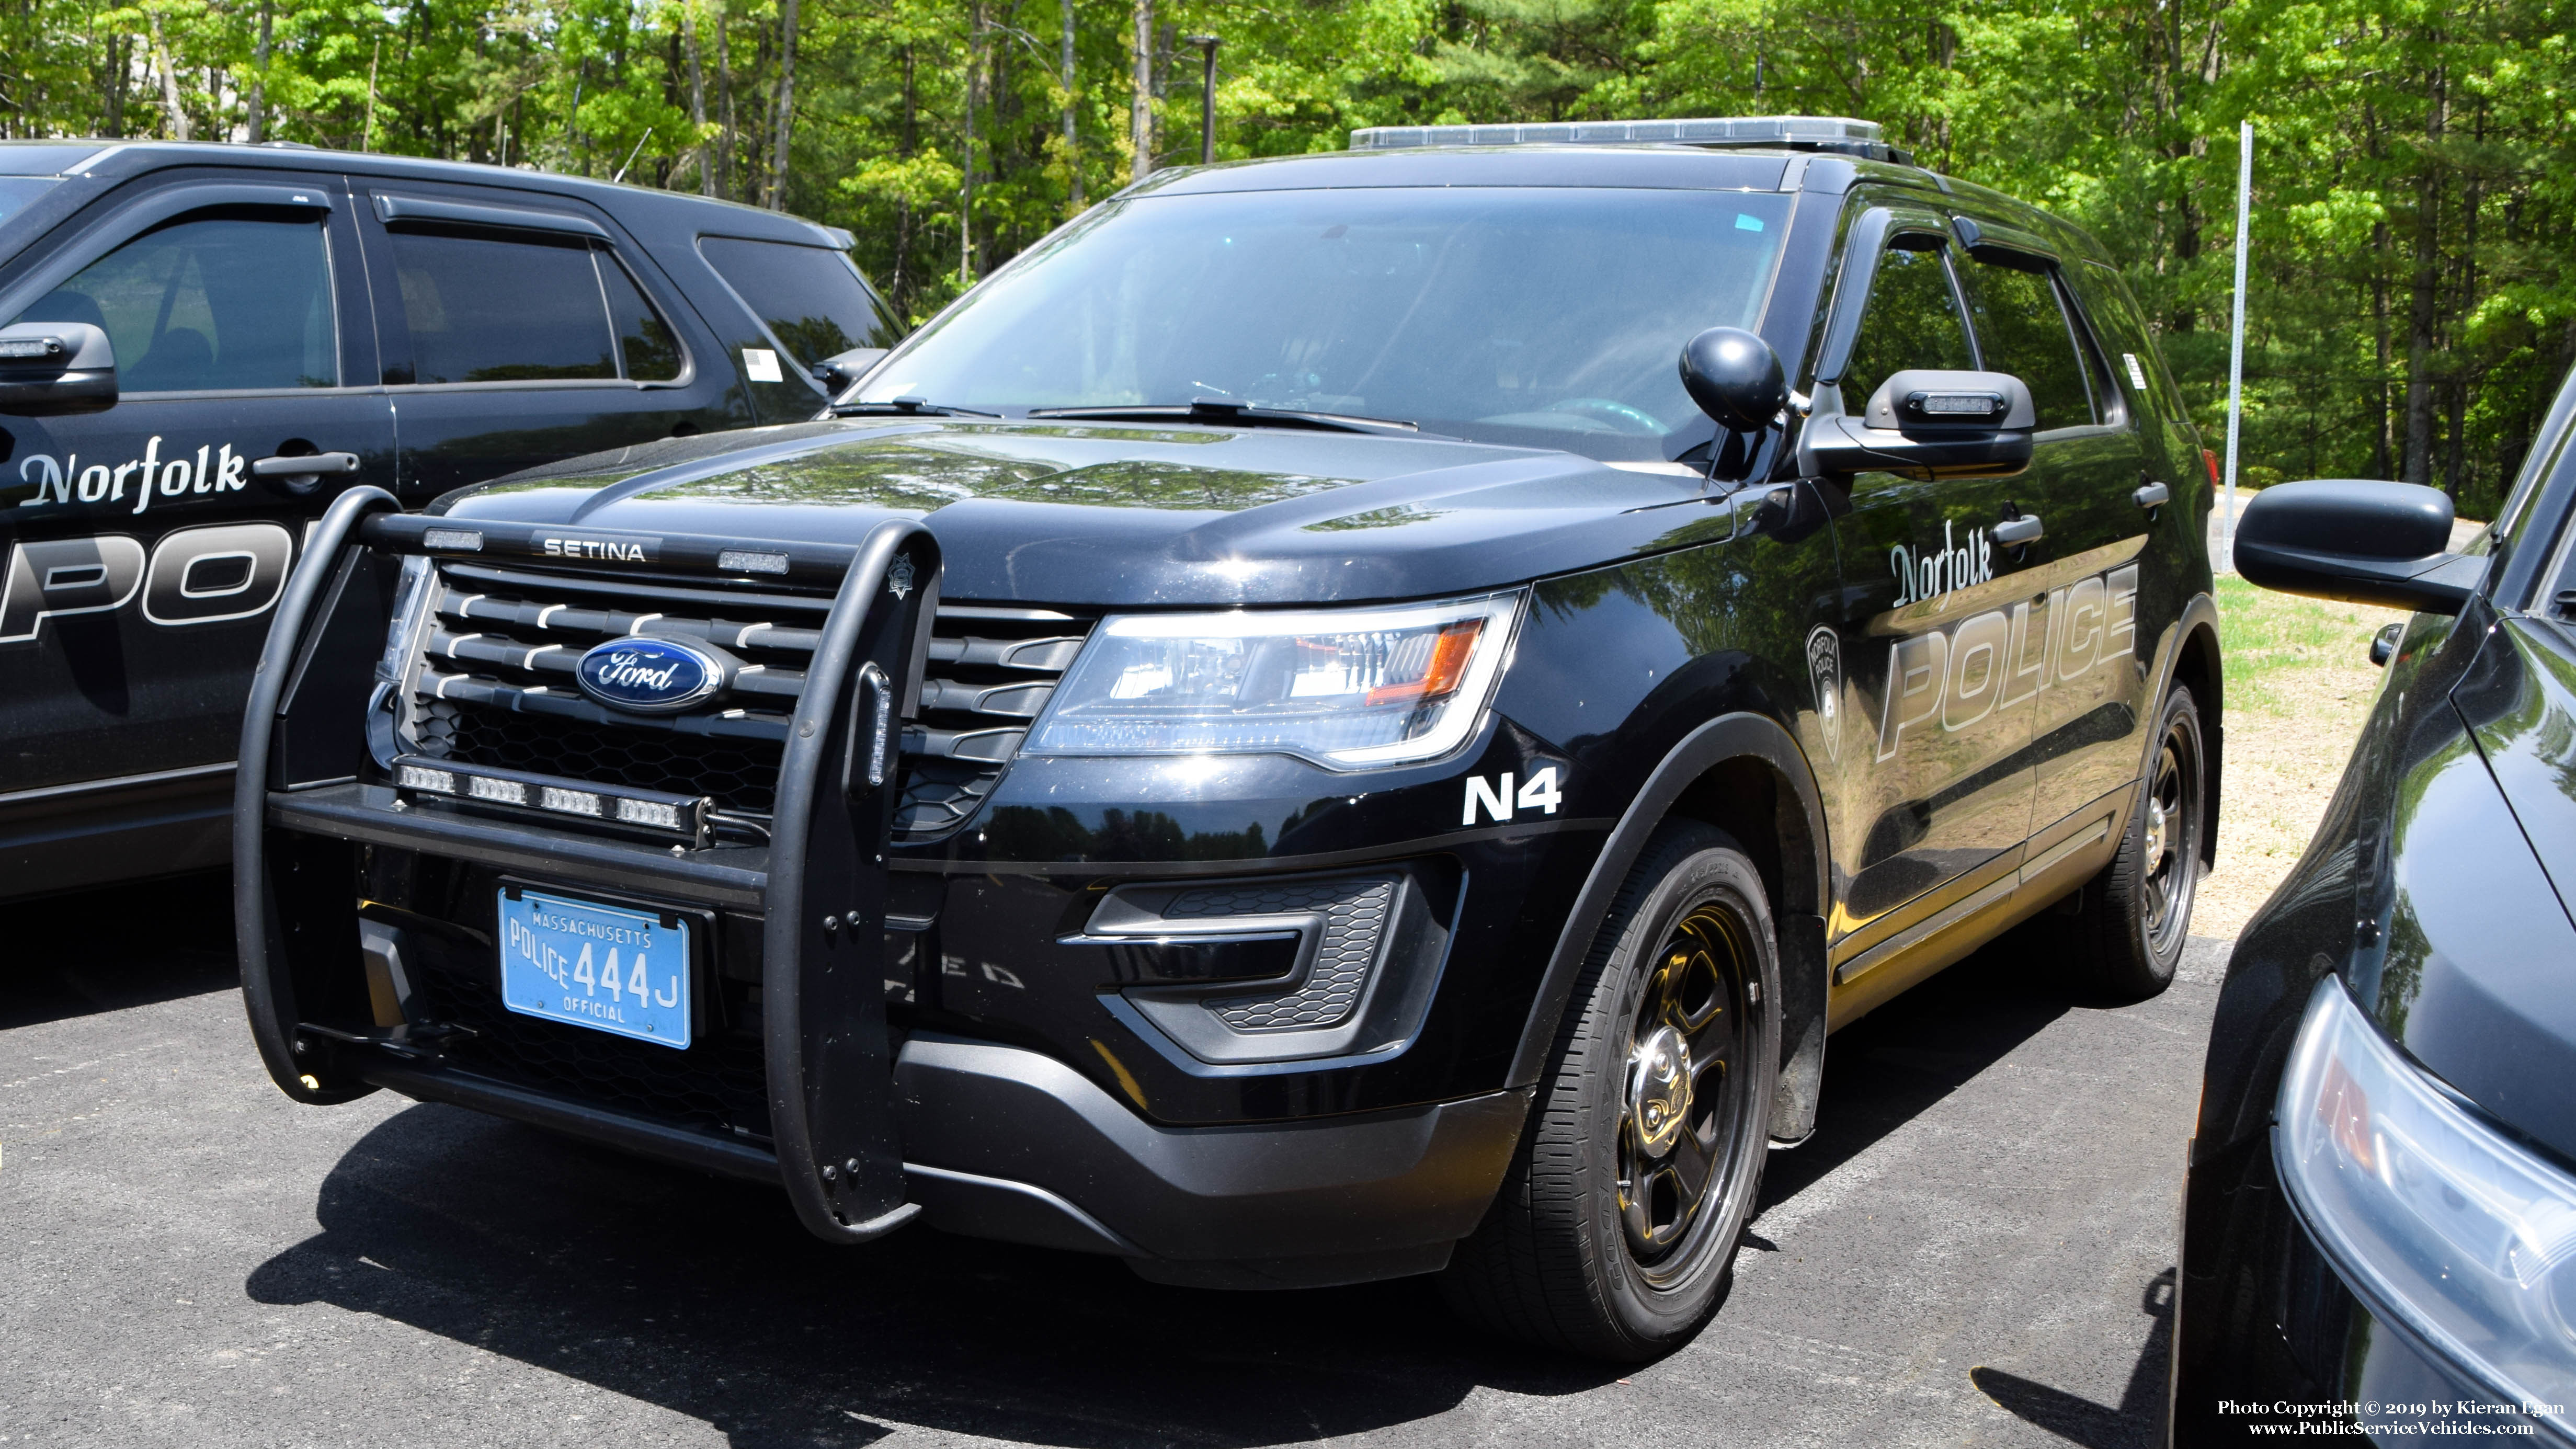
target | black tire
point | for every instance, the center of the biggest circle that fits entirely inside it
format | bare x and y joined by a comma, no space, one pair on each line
1598,1242
2133,919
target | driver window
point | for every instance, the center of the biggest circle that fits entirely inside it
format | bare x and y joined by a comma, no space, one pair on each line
2023,329
1912,320
221,300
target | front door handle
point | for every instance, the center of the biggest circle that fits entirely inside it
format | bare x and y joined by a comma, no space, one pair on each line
2014,532
2153,495
302,473
309,463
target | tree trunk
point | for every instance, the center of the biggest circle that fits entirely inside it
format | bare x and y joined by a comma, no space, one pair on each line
1140,114
1072,141
169,81
2418,466
698,99
786,105
259,78
724,86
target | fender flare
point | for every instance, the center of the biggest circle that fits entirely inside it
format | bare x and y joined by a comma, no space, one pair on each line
2199,615
1800,923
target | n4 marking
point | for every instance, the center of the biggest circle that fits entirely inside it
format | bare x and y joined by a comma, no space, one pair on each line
1495,797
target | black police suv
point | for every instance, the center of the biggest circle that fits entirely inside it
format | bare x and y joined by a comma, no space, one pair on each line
2379,1222
202,345
1340,717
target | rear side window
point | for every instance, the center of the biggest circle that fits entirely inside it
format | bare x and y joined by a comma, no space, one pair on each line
505,308
1912,320
2022,328
238,299
644,340
810,298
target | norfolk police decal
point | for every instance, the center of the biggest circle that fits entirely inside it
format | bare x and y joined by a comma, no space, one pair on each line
649,676
1825,667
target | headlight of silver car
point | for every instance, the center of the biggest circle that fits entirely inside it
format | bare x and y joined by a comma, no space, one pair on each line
2443,1223
1349,689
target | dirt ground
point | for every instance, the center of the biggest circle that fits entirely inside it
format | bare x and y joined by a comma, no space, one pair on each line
2299,684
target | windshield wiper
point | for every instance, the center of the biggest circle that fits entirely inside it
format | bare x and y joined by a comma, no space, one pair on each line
909,407
1219,410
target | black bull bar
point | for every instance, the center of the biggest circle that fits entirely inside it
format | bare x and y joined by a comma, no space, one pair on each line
821,888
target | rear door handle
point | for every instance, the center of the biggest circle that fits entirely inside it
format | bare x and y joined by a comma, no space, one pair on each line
2020,530
308,465
2154,495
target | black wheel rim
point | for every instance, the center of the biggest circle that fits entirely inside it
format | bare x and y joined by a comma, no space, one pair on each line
1683,1107
2169,863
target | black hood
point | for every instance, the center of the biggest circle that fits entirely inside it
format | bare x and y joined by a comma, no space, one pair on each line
1123,515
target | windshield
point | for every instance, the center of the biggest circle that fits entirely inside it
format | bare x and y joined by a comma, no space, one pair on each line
1544,317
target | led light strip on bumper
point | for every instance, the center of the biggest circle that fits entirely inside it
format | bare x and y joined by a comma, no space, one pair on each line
658,813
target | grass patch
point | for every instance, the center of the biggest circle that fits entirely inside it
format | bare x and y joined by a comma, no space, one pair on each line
2267,638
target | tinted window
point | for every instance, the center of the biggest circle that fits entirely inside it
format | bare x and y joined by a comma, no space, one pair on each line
1912,320
217,301
811,299
2022,329
495,309
1542,316
644,340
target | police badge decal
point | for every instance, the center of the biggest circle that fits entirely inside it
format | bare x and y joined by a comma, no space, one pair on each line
1825,667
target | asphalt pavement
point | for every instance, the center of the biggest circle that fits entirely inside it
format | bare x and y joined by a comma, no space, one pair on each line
1975,1248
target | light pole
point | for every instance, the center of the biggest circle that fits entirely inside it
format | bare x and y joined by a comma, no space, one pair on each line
1207,45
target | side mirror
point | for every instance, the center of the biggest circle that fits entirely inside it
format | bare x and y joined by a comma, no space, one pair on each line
2359,541
839,370
48,369
1930,423
1735,378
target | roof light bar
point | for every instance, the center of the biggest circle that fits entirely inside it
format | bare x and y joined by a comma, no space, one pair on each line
1806,133
681,818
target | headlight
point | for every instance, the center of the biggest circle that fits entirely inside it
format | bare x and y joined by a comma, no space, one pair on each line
2441,1222
411,604
1348,689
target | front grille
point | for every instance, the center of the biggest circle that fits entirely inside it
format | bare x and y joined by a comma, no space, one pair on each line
496,687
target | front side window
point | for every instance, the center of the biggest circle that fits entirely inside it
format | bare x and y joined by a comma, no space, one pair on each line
1538,316
233,300
1912,320
487,308
2023,329
810,298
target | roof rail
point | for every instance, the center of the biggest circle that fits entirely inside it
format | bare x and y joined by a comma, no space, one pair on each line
1801,133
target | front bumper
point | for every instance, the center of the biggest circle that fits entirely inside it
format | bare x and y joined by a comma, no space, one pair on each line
1012,1145
367,929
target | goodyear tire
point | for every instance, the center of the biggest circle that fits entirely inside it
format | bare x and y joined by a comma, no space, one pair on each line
2133,919
1615,1230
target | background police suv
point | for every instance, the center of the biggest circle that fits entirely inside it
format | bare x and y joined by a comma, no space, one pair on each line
212,342
1283,738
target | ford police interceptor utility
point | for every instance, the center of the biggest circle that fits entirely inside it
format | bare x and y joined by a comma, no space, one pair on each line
1341,717
202,345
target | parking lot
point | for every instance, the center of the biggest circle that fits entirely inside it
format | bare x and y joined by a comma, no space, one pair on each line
1974,1249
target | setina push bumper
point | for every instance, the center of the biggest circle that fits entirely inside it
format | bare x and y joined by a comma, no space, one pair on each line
504,939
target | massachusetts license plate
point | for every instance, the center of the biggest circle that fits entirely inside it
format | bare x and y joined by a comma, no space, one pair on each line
610,968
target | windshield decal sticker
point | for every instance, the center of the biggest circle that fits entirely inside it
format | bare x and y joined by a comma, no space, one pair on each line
213,468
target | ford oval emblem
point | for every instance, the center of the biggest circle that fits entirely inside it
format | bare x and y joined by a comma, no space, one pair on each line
649,676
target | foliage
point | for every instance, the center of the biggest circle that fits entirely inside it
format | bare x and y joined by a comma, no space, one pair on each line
2413,302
